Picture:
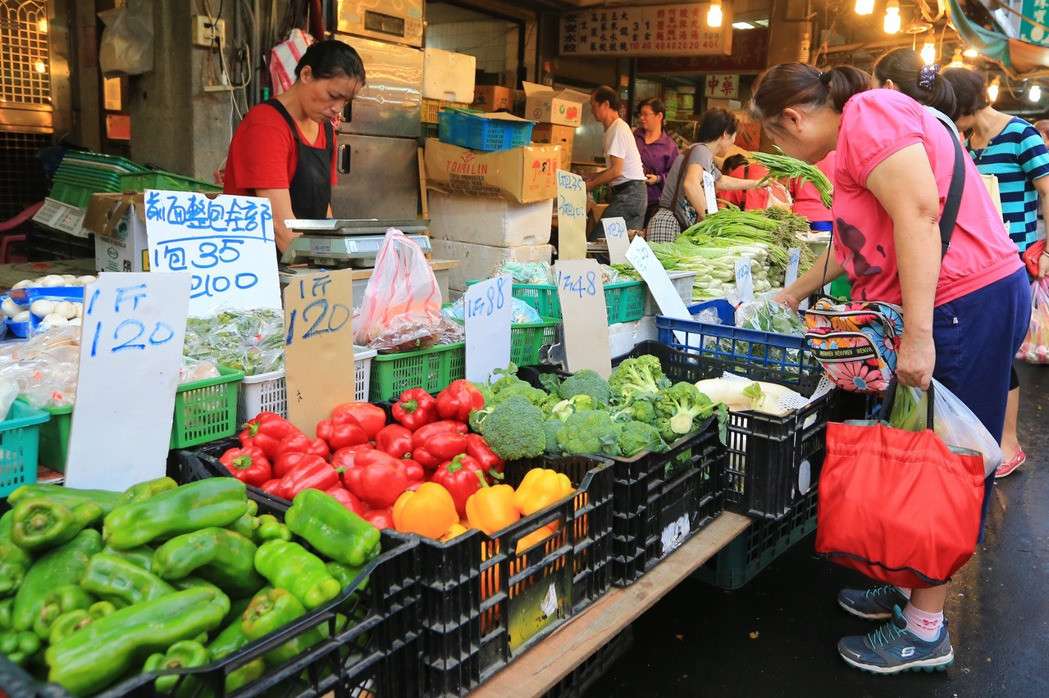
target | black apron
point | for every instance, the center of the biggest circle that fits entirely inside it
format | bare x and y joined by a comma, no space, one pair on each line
310,188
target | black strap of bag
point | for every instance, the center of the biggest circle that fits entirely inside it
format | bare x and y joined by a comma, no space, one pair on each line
674,208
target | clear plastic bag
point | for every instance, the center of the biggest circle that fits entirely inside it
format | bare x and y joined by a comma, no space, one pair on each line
954,422
769,316
126,47
402,302
8,392
1035,347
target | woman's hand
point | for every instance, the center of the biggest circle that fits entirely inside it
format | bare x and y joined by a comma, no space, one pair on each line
916,360
787,298
1043,265
651,180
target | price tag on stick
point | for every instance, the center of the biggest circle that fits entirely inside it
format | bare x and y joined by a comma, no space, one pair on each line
318,346
585,316
571,216
660,286
710,193
226,243
793,262
617,238
488,310
133,330
744,280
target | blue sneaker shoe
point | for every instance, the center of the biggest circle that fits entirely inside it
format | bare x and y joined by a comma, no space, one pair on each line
893,648
872,604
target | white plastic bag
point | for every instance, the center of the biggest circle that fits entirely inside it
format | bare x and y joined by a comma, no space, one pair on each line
284,57
954,422
1035,347
127,41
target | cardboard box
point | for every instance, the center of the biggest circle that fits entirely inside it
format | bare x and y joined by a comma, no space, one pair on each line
547,105
524,174
493,98
556,135
478,261
493,222
448,76
119,224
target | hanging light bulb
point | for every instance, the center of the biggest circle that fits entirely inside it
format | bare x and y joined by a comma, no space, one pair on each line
956,59
40,67
41,26
864,7
714,14
928,53
1035,93
892,17
992,90
971,53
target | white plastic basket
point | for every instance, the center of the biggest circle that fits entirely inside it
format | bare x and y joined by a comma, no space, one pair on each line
267,391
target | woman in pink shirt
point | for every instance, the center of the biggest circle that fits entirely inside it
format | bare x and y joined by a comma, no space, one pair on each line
964,315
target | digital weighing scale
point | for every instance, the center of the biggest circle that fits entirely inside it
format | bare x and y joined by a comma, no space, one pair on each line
340,243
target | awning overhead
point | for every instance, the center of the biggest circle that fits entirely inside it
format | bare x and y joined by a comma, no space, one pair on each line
1019,59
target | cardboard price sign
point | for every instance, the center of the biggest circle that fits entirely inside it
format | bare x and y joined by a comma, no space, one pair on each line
571,216
792,266
318,346
616,238
133,330
584,315
744,280
488,310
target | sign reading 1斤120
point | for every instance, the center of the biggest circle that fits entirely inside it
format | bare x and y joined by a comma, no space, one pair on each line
660,30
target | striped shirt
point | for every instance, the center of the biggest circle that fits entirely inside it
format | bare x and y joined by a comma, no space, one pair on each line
1016,156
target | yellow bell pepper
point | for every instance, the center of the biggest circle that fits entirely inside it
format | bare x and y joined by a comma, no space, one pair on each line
540,488
492,509
533,538
457,529
428,511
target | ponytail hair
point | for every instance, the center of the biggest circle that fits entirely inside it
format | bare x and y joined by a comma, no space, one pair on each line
922,83
800,85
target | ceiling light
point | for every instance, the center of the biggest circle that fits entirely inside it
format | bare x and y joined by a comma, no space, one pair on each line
971,53
956,59
1035,93
992,90
742,25
928,53
714,14
40,67
892,17
864,7
41,26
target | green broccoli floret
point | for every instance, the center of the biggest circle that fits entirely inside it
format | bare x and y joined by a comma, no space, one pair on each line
636,377
514,429
585,382
486,391
551,427
520,388
565,408
589,433
507,377
642,409
637,437
678,408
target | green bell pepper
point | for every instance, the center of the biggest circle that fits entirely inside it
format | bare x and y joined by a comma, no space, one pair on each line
220,556
92,658
104,498
272,610
111,577
141,555
335,531
290,566
271,529
217,501
345,574
40,522
68,623
231,639
6,609
245,526
62,599
238,678
14,562
62,565
142,491
19,645
185,654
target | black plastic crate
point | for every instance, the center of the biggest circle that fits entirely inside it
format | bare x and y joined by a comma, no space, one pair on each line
206,464
593,667
372,645
484,602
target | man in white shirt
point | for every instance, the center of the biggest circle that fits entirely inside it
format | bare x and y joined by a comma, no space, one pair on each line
625,174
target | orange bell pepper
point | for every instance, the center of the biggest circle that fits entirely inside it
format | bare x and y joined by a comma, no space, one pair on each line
540,488
492,509
533,538
457,529
428,510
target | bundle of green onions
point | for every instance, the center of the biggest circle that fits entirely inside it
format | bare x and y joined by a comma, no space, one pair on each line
784,166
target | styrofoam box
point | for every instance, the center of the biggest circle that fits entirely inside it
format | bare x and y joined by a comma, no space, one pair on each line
487,221
478,261
624,336
448,75
682,281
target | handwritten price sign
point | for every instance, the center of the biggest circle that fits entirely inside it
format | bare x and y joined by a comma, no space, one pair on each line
226,243
585,316
617,239
794,261
130,357
571,216
744,280
489,309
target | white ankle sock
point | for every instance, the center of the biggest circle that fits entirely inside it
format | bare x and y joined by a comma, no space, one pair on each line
924,625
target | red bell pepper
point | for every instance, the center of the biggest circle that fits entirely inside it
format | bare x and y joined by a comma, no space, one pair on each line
415,408
462,477
380,518
477,448
300,443
249,465
271,486
445,446
345,456
413,471
458,400
377,478
284,463
370,417
341,434
347,499
312,472
395,440
446,426
266,431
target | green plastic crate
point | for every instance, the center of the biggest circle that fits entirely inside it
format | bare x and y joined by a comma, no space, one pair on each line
158,179
527,337
432,369
625,300
19,437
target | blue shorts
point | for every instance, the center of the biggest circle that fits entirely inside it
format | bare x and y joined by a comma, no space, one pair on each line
976,338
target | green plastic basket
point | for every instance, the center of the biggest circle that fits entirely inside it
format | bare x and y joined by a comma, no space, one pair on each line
54,437
527,337
158,179
19,437
625,300
432,369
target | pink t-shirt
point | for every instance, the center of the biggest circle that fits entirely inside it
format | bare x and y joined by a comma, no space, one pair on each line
874,125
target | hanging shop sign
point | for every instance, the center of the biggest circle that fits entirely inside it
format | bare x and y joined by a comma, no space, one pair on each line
660,30
721,86
750,51
1037,10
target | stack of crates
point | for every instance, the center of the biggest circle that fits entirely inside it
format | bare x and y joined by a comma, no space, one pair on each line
82,174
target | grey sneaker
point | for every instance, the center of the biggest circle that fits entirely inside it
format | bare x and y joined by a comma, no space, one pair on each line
872,604
893,648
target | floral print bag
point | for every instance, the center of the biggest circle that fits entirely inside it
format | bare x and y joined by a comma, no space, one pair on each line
856,343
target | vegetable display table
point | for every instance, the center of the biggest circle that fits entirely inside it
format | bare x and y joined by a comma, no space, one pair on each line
11,274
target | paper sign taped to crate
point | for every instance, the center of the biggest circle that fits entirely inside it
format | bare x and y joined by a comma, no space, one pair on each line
488,311
225,242
585,315
318,348
617,239
571,216
134,326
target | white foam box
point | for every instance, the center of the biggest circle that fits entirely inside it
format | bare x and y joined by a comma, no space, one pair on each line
624,336
487,221
682,281
478,261
448,75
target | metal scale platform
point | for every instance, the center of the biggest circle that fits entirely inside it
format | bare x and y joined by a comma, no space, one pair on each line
338,244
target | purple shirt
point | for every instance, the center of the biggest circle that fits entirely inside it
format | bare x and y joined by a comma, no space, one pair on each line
656,158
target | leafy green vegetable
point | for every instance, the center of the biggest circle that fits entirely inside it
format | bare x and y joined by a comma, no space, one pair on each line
780,165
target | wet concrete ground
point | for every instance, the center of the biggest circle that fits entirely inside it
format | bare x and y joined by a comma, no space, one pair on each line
777,635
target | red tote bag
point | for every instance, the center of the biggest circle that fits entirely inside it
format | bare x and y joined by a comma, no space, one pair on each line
901,507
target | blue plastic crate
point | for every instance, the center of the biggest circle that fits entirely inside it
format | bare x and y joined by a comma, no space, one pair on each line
478,133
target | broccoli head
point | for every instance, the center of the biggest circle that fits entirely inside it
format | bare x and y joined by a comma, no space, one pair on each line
585,382
514,429
589,433
637,377
578,403
642,409
678,408
637,437
520,388
551,427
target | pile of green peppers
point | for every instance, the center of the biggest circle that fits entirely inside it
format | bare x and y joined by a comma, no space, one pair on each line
97,586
